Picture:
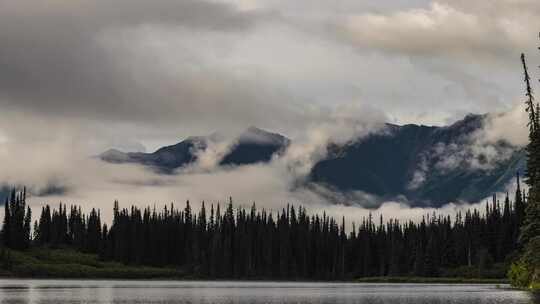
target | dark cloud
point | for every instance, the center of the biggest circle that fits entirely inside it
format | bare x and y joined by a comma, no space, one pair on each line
202,65
95,59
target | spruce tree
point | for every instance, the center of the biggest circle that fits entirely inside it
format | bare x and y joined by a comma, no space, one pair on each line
27,228
531,224
6,230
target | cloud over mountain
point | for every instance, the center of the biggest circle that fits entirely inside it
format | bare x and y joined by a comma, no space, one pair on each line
79,77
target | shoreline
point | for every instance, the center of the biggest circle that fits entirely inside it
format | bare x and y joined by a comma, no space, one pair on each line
66,264
432,280
369,280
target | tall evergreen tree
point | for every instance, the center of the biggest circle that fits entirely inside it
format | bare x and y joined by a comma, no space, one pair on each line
6,230
531,224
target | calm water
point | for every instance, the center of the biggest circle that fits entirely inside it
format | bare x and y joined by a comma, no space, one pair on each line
164,292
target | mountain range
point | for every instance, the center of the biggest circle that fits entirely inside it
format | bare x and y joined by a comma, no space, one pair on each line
424,165
252,146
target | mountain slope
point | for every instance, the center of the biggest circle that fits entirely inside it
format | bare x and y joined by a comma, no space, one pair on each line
255,146
164,159
252,146
428,165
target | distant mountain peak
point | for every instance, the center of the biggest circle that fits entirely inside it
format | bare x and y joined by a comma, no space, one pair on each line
254,145
112,151
257,135
253,129
114,156
470,121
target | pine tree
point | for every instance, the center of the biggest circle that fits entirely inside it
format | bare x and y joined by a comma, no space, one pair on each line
6,230
531,224
17,221
519,204
27,228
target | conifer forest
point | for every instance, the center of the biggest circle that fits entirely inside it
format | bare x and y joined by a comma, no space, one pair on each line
227,242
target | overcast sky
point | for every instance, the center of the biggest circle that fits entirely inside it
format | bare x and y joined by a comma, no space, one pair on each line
152,72
78,77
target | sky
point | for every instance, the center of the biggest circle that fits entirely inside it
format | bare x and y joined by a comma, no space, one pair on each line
79,77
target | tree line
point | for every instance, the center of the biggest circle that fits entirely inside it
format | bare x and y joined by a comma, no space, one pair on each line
289,244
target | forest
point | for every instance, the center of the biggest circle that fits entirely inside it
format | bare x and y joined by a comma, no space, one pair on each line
290,244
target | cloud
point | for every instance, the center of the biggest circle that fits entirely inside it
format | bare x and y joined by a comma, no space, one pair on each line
419,176
345,123
451,57
510,126
191,67
61,160
130,61
38,163
264,185
208,159
483,31
470,155
497,139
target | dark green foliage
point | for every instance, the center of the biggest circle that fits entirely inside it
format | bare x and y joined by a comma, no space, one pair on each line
17,222
67,263
531,258
288,245
519,274
6,259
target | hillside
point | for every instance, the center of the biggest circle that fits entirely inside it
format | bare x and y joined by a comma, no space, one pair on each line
426,165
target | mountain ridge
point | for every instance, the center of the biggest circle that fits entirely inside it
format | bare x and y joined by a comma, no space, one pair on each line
385,164
251,146
425,165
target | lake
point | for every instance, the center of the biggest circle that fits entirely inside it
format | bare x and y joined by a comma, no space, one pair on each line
173,292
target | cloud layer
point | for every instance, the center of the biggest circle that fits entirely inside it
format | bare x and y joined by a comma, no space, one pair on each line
79,77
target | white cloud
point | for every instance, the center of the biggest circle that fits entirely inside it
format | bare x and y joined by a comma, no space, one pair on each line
510,126
419,175
460,30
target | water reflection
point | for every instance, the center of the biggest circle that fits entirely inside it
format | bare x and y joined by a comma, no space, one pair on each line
163,292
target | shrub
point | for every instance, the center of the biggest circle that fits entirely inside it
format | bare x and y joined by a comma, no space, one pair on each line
519,275
531,257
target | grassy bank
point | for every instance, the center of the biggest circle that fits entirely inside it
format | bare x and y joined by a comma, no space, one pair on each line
441,280
494,274
67,263
63,263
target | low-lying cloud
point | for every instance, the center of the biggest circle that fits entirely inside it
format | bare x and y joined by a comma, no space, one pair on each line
62,160
93,183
